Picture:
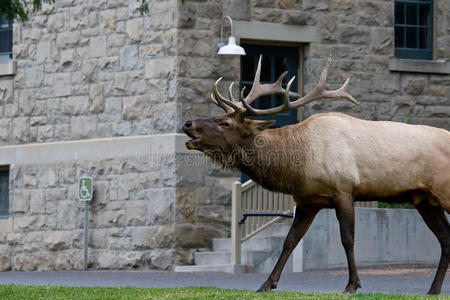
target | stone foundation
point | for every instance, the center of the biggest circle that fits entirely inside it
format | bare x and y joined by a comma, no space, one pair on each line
153,205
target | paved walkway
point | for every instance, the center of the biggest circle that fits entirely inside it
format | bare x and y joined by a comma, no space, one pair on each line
402,281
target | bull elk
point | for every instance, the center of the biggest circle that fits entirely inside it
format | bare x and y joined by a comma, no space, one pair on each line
338,159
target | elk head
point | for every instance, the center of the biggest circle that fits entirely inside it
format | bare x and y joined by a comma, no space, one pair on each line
222,134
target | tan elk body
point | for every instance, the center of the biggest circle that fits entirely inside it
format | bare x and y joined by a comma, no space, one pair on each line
362,157
329,161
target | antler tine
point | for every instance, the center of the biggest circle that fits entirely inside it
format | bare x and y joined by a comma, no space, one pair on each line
317,92
213,99
230,91
233,106
342,93
253,95
242,93
323,76
282,108
220,104
286,94
259,89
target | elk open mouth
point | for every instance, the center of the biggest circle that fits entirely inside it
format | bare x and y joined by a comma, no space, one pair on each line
193,143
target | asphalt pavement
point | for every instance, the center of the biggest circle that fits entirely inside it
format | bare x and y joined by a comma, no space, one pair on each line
398,281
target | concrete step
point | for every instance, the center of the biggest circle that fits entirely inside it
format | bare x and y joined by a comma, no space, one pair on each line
228,268
276,230
224,257
256,243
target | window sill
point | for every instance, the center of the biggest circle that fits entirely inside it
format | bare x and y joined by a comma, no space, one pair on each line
419,66
6,225
8,68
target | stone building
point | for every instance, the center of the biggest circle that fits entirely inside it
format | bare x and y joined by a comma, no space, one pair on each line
94,88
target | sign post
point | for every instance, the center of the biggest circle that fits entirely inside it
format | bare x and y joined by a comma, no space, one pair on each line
85,192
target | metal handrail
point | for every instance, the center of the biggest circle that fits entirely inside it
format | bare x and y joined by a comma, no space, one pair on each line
251,200
248,200
246,215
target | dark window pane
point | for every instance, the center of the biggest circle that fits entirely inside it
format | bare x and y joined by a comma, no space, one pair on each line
265,69
279,99
5,36
424,38
411,14
399,13
271,70
281,65
246,90
248,67
4,192
399,37
264,102
411,37
424,15
414,40
3,22
4,41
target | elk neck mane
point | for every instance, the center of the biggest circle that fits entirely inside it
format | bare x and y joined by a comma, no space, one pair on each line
273,153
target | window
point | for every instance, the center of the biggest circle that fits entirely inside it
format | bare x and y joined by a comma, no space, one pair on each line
414,29
275,61
5,40
4,192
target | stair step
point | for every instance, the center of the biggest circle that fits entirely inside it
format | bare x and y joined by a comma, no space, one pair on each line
224,257
254,244
276,230
228,268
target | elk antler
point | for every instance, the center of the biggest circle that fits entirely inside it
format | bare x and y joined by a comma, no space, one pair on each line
259,90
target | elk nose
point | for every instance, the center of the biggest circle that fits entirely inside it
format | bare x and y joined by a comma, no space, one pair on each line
188,124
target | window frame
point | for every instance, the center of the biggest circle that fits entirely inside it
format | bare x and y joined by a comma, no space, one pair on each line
4,214
7,28
415,53
268,52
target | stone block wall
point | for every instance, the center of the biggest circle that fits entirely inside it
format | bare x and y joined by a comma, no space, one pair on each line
360,36
91,69
358,33
129,216
199,66
149,211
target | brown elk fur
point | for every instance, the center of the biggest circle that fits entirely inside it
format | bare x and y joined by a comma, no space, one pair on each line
332,152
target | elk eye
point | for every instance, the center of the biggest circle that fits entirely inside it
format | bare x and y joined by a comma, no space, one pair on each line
225,124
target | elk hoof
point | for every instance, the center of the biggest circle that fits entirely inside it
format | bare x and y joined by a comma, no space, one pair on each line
267,286
351,288
433,292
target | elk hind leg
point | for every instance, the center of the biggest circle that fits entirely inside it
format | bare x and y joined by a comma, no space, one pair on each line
345,214
303,219
436,220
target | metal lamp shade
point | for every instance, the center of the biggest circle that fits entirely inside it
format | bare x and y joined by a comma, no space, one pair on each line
231,48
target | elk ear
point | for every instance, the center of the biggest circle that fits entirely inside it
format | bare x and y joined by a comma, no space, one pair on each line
261,125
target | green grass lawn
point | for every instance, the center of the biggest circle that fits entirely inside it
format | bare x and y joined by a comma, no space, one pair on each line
65,293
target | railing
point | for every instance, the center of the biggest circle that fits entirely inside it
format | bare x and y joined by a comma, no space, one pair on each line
250,199
254,200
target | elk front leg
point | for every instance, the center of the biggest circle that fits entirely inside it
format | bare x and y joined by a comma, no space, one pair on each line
436,220
345,213
303,219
